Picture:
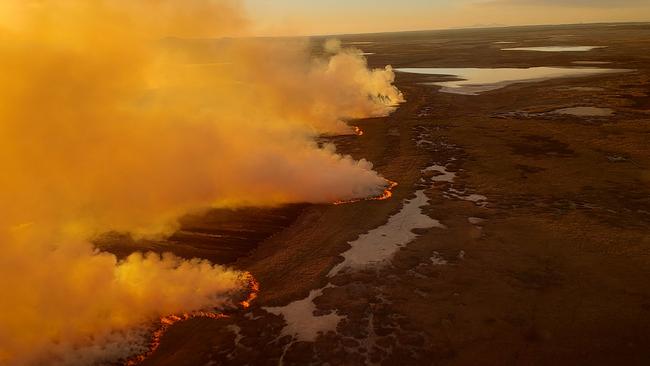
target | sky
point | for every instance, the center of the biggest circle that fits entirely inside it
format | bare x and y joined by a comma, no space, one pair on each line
308,17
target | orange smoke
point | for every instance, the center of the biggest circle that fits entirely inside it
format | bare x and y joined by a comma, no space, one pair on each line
110,121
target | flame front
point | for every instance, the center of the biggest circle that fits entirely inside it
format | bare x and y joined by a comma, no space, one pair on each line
163,325
254,287
167,322
388,193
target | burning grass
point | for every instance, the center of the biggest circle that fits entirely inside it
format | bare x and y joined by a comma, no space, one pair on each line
163,324
388,193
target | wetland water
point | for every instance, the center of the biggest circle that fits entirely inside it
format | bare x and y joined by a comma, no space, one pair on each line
555,48
473,81
591,62
585,111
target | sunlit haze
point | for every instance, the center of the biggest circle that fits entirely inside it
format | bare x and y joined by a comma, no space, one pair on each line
298,17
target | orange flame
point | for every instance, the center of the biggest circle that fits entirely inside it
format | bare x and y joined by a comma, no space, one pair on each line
388,193
254,287
163,325
358,131
167,321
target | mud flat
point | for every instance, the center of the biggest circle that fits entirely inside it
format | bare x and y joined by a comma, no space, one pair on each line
585,111
555,48
544,253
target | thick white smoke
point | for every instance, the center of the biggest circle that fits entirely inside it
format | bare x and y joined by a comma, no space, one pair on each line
106,124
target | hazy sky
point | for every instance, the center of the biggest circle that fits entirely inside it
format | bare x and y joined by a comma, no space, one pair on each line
292,17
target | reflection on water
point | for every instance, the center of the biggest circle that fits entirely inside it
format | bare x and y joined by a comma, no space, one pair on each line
591,62
585,111
584,88
555,48
473,81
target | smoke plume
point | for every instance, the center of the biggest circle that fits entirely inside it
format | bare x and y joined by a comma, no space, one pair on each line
124,115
